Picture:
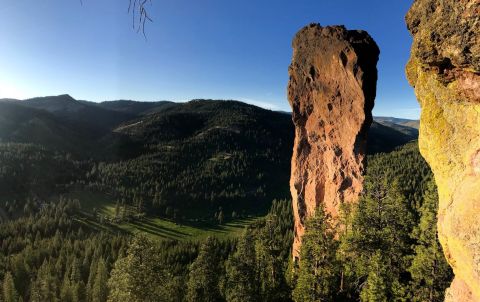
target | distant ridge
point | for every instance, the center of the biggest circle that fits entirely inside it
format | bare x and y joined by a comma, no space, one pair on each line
387,120
391,119
135,107
95,126
62,102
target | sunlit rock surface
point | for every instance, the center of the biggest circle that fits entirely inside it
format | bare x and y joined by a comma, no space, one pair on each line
331,91
444,68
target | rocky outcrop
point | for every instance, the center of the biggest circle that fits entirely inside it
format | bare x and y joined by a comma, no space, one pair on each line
331,91
444,68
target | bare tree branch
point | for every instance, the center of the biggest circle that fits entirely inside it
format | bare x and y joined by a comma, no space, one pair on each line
138,9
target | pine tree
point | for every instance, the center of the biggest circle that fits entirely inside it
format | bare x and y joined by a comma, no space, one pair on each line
100,290
381,223
203,278
78,291
66,294
76,284
318,275
220,217
272,249
241,279
143,275
21,275
120,283
139,205
123,210
9,292
45,286
430,271
91,279
375,288
117,209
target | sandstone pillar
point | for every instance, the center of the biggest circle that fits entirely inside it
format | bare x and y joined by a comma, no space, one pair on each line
331,91
444,69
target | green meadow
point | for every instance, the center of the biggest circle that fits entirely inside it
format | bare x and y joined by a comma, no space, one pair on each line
154,227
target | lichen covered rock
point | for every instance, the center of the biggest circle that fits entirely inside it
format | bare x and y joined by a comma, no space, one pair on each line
331,91
444,68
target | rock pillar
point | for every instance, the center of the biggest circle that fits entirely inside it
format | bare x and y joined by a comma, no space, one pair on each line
331,91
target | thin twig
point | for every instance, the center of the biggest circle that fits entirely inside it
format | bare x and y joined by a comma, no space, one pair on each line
138,8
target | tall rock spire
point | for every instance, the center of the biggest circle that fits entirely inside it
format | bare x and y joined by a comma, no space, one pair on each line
331,91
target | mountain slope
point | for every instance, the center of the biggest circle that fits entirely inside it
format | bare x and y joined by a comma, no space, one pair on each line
172,159
391,119
136,108
407,130
385,138
55,104
203,155
28,125
88,116
413,124
388,120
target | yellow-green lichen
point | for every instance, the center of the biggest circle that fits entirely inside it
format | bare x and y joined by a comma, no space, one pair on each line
449,139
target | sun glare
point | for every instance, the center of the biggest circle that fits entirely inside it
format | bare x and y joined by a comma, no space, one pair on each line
8,90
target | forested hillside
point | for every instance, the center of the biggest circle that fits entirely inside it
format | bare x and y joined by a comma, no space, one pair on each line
202,155
398,121
158,158
182,161
127,201
388,252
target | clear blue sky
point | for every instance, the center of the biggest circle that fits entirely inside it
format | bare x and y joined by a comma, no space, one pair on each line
195,49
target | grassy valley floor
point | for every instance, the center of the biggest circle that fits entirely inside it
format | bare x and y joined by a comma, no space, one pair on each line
96,204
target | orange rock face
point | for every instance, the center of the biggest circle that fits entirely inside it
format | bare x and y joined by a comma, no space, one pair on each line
331,91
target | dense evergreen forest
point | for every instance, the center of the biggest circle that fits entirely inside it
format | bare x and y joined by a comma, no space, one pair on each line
388,249
205,161
185,161
182,161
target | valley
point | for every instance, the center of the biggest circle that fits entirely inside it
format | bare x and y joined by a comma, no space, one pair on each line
109,184
134,159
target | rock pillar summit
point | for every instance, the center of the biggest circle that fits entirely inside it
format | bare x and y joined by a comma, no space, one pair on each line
332,88
444,69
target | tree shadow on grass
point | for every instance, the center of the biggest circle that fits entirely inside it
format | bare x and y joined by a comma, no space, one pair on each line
154,229
153,225
149,226
155,232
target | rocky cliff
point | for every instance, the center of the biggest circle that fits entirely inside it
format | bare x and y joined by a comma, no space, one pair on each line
331,91
444,68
